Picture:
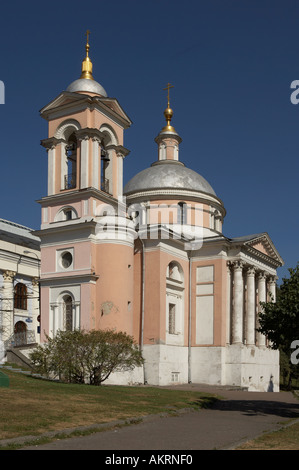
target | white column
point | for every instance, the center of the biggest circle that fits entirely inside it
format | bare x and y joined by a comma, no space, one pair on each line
95,162
84,162
272,289
120,159
238,299
250,318
53,320
76,316
51,170
261,298
63,165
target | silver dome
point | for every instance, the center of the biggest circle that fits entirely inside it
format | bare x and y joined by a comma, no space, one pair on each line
168,174
84,84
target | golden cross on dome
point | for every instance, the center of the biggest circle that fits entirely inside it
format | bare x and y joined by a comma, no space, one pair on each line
87,36
168,86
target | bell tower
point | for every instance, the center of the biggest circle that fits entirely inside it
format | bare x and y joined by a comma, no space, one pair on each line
85,141
85,176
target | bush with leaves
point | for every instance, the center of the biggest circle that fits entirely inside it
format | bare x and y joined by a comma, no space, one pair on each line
86,357
279,320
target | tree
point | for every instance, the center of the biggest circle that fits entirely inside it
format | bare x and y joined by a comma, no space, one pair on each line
86,357
279,320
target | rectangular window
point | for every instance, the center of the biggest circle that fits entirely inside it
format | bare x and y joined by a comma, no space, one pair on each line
171,316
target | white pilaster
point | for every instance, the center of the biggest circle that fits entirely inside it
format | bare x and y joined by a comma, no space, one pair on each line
7,305
228,306
35,306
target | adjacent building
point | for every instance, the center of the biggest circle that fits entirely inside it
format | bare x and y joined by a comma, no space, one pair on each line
19,286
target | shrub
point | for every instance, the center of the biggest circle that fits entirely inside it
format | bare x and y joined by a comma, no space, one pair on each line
86,357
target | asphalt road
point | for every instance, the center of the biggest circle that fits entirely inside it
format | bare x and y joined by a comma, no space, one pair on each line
239,417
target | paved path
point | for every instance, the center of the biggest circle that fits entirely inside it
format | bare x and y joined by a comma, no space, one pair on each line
239,417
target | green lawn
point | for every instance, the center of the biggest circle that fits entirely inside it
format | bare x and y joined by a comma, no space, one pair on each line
30,406
284,439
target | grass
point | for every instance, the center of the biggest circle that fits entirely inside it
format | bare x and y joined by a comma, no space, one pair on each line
286,438
30,406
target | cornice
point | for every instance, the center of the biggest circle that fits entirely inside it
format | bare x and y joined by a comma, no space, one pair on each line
78,194
177,194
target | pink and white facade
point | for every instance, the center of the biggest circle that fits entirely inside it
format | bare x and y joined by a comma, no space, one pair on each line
150,258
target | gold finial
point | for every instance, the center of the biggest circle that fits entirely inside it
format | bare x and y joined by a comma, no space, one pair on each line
87,64
167,88
168,113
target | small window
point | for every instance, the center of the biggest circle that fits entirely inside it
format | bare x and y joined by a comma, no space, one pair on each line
20,298
66,259
68,214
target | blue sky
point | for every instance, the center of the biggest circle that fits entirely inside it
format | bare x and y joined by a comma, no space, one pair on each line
231,63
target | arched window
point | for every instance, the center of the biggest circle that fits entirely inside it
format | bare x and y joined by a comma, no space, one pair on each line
107,155
66,213
68,312
71,154
174,304
20,297
105,161
182,213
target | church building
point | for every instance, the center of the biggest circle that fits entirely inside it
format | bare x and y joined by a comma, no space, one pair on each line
148,258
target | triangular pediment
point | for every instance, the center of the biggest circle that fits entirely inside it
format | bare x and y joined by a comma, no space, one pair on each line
114,106
264,245
68,99
64,98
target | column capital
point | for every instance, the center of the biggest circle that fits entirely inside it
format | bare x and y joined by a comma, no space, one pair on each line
8,276
35,281
262,275
51,143
119,150
251,270
272,280
238,265
88,133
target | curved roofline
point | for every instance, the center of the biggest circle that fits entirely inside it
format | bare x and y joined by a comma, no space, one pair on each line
169,174
87,85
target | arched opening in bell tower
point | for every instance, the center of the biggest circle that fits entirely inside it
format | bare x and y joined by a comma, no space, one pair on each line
71,154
